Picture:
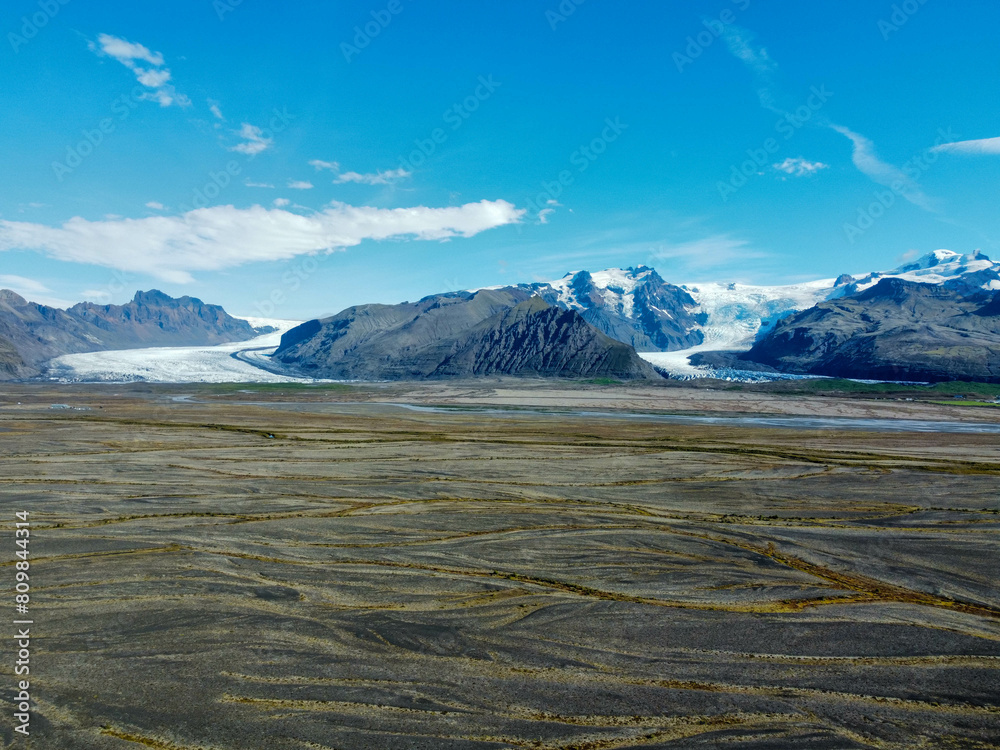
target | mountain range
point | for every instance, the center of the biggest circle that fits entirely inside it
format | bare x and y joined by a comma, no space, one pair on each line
930,319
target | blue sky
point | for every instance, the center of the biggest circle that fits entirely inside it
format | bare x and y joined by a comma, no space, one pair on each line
269,158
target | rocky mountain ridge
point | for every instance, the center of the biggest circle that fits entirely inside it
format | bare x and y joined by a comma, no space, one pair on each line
895,330
31,333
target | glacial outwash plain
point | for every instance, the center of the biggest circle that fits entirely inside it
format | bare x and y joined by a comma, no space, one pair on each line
506,564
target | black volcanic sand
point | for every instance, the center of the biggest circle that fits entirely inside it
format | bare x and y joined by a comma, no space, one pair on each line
216,574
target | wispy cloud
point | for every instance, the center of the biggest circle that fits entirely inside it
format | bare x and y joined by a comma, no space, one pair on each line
21,284
799,167
215,110
156,205
374,178
254,141
155,78
252,184
771,95
380,177
319,164
31,290
708,252
281,202
173,247
756,58
300,185
989,146
868,163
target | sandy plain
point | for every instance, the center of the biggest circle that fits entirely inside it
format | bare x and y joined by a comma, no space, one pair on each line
249,567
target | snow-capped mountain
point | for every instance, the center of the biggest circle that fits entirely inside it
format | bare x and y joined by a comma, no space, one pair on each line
943,265
668,323
634,305
963,273
739,313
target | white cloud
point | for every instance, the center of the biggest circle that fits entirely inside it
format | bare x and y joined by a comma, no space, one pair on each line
254,140
214,108
799,167
156,78
156,205
281,202
208,239
868,162
153,79
982,146
543,215
320,164
249,183
127,52
374,178
300,185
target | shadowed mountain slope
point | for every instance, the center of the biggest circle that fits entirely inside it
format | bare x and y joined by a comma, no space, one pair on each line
895,330
467,334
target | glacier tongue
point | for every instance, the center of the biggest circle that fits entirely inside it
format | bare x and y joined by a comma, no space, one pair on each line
225,363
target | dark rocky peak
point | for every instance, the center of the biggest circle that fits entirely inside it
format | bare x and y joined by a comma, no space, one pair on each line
154,297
